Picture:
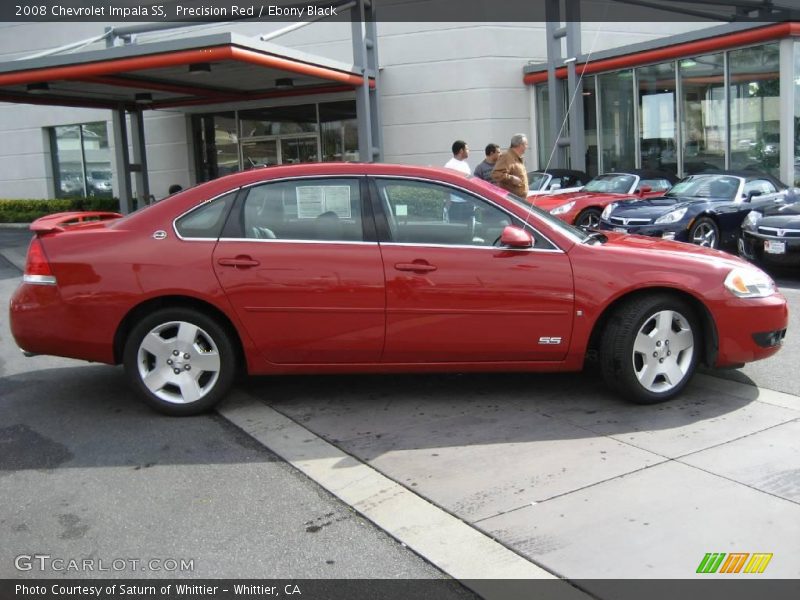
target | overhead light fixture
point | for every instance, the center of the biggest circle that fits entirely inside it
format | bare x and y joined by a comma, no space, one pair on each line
199,68
688,63
143,98
284,83
38,88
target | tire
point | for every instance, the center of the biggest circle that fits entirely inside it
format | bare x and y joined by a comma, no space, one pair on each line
588,219
704,232
650,348
181,361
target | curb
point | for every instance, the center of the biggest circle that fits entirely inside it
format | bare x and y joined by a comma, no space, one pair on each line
14,225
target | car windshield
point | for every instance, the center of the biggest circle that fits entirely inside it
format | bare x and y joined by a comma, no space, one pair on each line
611,183
706,186
575,234
536,181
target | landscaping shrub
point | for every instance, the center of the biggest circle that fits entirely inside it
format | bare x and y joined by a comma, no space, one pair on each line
27,210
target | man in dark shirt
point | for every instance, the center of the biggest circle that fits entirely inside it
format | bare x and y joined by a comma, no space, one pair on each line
484,170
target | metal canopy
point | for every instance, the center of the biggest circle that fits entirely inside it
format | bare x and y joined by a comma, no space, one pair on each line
201,70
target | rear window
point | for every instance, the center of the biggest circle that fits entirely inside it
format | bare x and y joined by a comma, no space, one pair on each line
206,220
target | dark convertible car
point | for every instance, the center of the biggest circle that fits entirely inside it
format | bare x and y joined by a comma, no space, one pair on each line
771,234
705,209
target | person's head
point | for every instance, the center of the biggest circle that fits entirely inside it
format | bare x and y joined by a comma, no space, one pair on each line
492,153
174,188
519,143
460,150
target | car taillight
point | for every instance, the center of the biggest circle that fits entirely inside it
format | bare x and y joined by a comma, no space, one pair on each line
37,269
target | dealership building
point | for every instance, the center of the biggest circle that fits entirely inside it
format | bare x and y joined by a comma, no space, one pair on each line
129,110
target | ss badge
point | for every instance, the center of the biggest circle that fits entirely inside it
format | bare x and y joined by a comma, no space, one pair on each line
549,340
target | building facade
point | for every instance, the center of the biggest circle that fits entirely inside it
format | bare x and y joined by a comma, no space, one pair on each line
480,82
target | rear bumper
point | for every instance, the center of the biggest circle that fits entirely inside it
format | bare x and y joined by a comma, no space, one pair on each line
42,323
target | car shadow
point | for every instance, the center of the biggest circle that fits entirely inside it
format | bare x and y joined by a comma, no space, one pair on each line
87,416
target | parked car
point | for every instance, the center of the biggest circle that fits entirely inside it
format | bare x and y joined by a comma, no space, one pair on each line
584,207
705,209
345,267
771,234
555,181
99,183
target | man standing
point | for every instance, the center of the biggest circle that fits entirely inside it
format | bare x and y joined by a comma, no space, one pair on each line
509,171
484,170
459,160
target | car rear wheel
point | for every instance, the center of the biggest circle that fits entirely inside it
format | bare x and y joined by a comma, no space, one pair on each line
588,219
180,360
650,348
705,233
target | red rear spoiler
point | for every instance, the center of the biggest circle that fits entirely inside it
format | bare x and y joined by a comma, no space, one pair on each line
63,220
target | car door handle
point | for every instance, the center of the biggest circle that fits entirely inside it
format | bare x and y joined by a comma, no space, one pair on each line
416,267
245,262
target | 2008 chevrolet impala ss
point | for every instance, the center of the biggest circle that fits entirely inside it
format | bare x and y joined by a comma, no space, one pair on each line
333,268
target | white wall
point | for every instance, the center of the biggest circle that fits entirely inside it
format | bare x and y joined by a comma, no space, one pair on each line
439,82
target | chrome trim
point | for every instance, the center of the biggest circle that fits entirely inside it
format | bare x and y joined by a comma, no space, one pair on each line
301,177
465,247
39,279
160,235
779,232
293,241
624,221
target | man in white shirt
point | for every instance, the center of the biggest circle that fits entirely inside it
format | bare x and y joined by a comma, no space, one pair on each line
459,160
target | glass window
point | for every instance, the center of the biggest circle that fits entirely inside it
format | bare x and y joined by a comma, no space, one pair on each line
657,115
755,108
218,145
762,186
278,120
617,121
311,209
426,213
703,122
656,184
590,125
205,221
797,113
339,129
81,160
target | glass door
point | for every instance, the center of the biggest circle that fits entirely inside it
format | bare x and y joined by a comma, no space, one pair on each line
259,153
296,149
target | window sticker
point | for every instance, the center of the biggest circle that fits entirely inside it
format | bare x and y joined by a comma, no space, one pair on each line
401,210
313,200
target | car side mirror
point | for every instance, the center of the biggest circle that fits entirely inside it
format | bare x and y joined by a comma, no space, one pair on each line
644,189
752,194
514,237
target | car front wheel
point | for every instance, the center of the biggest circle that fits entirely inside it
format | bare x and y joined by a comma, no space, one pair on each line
180,360
705,233
650,348
588,219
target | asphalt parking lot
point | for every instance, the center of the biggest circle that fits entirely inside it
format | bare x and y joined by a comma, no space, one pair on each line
552,468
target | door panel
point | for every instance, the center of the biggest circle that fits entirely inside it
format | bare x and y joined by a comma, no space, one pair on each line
304,294
452,296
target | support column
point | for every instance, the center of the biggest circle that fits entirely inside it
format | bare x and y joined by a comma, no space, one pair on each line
121,158
365,55
139,165
577,138
786,111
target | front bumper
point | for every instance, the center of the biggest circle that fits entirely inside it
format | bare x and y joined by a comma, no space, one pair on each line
769,249
750,329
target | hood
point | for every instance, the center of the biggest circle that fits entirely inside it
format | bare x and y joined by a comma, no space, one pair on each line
550,202
781,217
650,208
659,248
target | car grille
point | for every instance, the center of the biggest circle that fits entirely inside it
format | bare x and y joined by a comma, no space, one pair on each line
778,232
623,221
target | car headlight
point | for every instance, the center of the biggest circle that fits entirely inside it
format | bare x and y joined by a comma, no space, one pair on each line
671,217
560,210
751,220
608,210
749,283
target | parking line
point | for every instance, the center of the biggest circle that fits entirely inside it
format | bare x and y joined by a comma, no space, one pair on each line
450,544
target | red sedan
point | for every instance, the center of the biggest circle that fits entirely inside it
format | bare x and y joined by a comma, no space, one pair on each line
584,207
334,268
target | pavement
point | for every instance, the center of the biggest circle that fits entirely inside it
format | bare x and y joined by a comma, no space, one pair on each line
542,476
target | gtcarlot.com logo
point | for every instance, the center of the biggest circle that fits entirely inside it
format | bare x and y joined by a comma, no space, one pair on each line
735,562
45,562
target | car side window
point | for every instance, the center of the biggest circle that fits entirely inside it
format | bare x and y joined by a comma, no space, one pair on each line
759,185
304,209
206,220
426,213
